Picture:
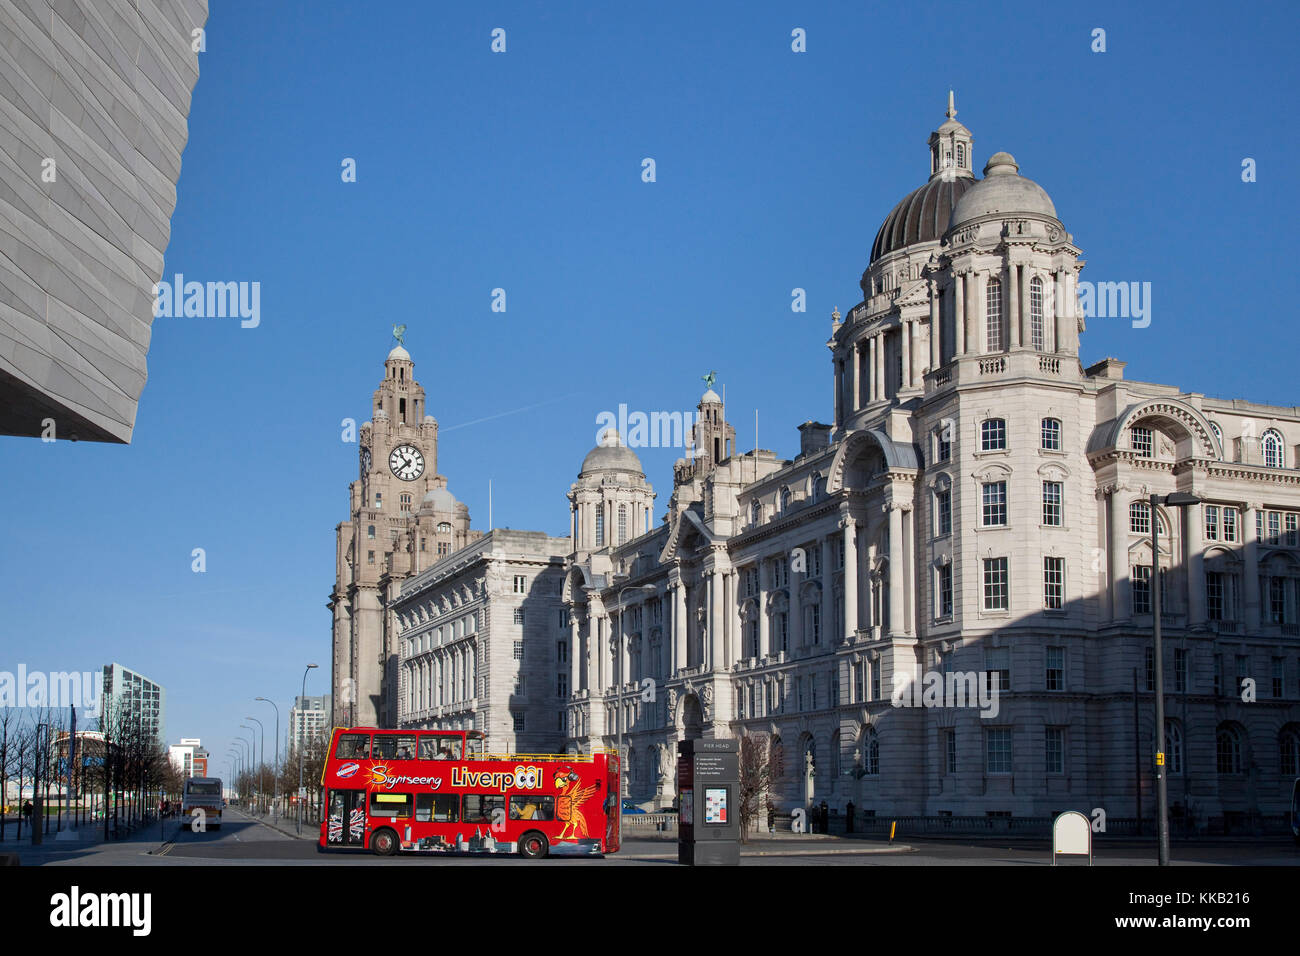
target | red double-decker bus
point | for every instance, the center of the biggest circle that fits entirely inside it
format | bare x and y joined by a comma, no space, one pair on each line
437,791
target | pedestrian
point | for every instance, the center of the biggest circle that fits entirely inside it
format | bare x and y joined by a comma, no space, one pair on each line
27,811
848,817
826,817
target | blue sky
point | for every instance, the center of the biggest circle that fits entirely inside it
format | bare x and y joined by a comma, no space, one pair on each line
522,171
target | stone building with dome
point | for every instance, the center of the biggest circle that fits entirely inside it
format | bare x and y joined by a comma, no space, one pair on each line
977,510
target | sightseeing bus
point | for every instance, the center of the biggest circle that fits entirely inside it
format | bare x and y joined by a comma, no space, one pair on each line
202,793
438,791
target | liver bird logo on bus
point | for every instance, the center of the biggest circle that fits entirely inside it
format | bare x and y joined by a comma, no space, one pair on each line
568,804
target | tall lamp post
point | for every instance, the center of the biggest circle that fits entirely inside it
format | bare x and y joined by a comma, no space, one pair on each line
252,746
261,767
1178,499
243,754
618,668
275,776
310,667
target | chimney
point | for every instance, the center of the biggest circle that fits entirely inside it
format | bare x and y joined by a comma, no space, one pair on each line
813,437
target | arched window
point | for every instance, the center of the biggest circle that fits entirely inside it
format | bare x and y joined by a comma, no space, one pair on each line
755,511
1037,340
1218,433
871,752
1051,434
444,527
1174,746
993,434
785,499
993,312
370,531
1288,744
1272,446
1227,749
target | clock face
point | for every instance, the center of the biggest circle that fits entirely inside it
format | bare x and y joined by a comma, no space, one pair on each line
406,462
365,461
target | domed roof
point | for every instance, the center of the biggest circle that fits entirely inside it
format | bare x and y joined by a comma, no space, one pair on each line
611,455
710,396
1002,191
398,353
439,499
923,214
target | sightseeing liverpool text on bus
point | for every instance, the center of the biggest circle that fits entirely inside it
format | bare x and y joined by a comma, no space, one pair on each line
437,791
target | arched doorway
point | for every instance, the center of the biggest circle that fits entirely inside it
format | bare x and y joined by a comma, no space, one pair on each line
692,718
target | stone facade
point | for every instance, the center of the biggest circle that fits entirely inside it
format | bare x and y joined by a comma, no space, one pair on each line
92,126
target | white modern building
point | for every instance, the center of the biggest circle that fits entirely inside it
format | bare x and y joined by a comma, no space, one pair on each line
189,757
134,703
309,718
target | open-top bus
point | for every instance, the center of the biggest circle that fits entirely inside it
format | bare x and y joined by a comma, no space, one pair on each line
437,791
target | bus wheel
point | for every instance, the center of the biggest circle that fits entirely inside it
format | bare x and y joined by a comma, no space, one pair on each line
384,842
533,846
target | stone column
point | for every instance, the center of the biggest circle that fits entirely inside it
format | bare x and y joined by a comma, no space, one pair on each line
959,312
897,616
1194,564
855,387
839,393
828,592
979,309
1117,556
1026,332
973,344
881,389
1251,584
936,346
735,632
905,330
575,652
871,370
764,638
717,598
679,624
1011,301
850,529
1013,327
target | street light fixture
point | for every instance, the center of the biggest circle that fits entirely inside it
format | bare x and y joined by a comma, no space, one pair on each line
1179,499
261,767
310,667
275,778
618,666
252,743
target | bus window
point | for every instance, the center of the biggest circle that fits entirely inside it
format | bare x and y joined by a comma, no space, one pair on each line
353,745
439,747
390,805
473,745
482,807
437,808
394,746
532,807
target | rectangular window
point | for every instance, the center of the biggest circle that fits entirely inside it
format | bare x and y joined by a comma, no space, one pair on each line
519,584
1053,583
998,748
482,807
993,434
1052,491
519,650
1143,442
1274,527
943,447
519,615
1291,528
997,661
1056,668
564,617
1276,601
532,807
996,596
1214,596
1139,517
1055,749
519,723
994,499
1243,671
1279,675
562,651
1259,525
945,591
943,512
562,685
443,549
1141,580
1229,524
1211,522
370,557
394,747
1218,674
437,808
355,746
815,623
1180,670
1051,436
950,751
780,573
859,686
391,805
875,680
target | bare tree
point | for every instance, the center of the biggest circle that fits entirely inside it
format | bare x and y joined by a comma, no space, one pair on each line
756,767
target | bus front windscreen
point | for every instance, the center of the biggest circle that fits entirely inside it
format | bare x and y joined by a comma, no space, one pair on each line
203,789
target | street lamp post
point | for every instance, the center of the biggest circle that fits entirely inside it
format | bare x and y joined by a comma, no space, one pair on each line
310,667
618,668
1178,499
275,776
261,767
252,765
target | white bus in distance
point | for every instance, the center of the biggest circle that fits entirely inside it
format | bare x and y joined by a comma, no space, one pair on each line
203,793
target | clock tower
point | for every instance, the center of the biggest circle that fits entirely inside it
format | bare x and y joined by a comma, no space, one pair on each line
402,519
